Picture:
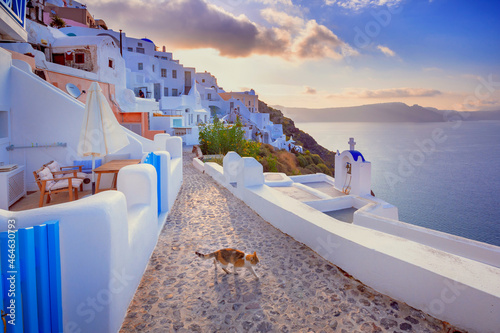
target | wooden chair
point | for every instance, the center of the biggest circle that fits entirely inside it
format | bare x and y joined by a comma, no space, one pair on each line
59,170
68,184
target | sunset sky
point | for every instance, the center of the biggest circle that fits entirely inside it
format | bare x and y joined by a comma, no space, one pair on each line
329,53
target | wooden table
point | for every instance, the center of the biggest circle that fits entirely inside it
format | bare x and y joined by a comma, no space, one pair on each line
112,167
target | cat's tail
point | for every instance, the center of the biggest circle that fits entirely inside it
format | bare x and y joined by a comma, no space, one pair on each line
205,256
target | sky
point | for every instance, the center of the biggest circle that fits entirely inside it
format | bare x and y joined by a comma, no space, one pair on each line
329,53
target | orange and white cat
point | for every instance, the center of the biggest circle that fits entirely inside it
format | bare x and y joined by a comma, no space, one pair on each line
235,257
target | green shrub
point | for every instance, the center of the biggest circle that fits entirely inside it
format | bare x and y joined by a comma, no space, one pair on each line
316,159
272,163
324,169
314,168
309,160
218,138
302,161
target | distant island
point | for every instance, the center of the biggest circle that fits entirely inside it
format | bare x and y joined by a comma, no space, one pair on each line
384,112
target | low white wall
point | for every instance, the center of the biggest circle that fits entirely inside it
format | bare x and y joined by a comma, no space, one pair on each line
332,204
317,177
468,248
458,290
70,71
106,241
198,164
418,275
170,150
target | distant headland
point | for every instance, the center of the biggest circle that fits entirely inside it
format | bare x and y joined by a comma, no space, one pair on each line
384,112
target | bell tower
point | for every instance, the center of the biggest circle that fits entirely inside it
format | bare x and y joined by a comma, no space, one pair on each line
352,171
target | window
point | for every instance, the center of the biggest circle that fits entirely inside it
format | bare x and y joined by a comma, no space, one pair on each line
131,49
140,66
140,50
163,72
209,96
58,58
79,58
202,80
174,74
139,44
153,68
165,91
164,58
111,63
249,103
174,92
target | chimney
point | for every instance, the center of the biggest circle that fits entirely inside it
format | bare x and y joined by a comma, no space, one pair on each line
164,49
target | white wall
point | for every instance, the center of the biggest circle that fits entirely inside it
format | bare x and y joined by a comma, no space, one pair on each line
5,99
105,244
452,288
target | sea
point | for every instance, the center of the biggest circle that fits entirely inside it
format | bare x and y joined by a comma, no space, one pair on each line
443,176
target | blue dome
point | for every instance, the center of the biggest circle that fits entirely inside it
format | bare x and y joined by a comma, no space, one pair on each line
147,40
356,154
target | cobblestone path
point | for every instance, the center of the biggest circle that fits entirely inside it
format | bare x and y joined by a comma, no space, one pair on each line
298,291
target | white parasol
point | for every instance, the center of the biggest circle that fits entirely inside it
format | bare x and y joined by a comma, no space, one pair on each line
101,134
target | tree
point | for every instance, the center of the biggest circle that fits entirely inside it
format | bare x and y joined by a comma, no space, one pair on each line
57,22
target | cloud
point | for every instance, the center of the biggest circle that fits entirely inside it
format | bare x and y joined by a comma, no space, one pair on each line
362,4
308,40
275,2
192,24
317,41
310,91
283,20
473,104
390,93
387,51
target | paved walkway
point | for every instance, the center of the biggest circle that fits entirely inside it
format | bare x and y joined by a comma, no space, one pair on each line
298,291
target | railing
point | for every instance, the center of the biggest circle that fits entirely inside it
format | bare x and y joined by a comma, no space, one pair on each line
154,160
16,9
36,145
171,112
30,291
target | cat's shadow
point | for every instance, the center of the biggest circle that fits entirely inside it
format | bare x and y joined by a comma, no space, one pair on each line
238,280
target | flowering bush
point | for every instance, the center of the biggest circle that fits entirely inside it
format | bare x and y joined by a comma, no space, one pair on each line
218,138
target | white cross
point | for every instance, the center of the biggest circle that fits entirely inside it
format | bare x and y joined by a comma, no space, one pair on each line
351,143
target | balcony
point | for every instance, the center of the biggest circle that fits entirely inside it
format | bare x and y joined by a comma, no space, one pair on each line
12,19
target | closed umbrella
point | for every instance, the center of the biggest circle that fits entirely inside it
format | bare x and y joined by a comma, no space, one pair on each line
101,134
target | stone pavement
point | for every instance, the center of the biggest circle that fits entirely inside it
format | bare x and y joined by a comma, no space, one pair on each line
298,291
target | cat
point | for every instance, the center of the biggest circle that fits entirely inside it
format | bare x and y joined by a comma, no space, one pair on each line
235,257
197,150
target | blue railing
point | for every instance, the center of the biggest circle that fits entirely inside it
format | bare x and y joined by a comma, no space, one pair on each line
16,9
154,160
30,284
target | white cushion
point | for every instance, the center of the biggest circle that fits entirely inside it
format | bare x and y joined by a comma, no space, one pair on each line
55,167
75,182
82,175
46,174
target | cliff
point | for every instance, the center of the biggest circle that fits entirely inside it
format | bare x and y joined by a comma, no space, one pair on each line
301,137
